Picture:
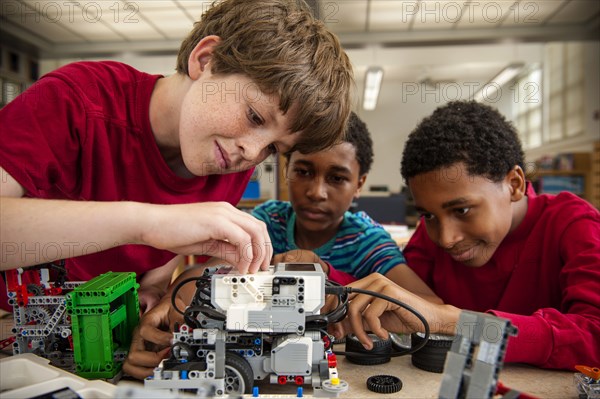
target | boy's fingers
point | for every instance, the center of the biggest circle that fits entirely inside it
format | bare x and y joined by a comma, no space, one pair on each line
355,318
141,364
149,333
372,316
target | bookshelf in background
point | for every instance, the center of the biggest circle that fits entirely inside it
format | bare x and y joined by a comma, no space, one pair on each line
565,172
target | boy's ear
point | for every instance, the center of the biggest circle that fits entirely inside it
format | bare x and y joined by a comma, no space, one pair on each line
517,183
361,183
201,55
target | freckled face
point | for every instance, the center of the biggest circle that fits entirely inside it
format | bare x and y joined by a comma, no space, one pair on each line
468,216
228,125
322,186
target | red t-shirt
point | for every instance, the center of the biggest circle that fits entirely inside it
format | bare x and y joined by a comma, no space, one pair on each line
544,277
83,133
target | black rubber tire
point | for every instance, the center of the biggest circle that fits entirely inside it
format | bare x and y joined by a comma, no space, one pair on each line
432,357
237,367
381,352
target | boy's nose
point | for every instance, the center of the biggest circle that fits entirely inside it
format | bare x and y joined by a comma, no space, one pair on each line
253,150
448,235
316,190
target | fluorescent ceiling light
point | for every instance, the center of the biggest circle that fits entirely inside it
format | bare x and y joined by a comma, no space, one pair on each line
372,86
488,90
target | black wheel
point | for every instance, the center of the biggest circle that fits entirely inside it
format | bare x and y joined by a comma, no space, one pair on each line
432,357
381,352
239,377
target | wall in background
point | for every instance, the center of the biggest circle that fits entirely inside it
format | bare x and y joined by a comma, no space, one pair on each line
391,124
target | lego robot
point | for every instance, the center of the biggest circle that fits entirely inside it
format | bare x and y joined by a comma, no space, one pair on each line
245,328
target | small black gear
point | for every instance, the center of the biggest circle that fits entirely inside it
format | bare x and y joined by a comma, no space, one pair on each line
384,384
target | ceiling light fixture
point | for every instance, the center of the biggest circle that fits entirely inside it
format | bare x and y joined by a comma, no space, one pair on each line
488,90
372,85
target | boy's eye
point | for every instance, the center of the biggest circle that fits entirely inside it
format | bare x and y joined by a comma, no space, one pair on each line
462,211
337,179
301,172
427,216
254,117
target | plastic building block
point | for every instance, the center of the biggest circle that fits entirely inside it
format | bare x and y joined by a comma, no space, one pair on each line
80,327
245,328
104,312
587,382
41,323
476,356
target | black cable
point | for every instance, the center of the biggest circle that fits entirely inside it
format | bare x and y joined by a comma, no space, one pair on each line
176,290
198,305
336,291
337,314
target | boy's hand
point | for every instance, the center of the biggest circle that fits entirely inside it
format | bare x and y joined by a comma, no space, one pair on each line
368,313
149,296
300,256
212,228
151,343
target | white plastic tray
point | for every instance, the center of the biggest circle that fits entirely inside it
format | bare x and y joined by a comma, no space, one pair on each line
27,375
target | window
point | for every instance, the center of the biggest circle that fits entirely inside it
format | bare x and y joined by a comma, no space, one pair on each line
563,116
528,101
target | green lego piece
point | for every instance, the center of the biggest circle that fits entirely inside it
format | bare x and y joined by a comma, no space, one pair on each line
104,312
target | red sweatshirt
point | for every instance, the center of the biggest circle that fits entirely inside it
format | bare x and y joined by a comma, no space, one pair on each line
544,277
83,133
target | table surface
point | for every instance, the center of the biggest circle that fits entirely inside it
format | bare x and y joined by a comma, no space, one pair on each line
416,382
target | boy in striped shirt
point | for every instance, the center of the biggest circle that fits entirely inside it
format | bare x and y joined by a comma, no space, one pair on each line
316,226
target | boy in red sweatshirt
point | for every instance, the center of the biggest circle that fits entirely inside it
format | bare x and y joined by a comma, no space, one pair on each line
488,243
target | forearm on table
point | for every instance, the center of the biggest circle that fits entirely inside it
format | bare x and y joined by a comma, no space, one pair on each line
35,231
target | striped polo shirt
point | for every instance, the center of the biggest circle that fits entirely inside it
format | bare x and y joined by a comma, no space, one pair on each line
360,247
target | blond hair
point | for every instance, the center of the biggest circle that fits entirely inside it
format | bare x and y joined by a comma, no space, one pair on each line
283,49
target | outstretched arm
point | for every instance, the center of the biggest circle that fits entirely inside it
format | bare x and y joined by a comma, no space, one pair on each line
37,231
368,313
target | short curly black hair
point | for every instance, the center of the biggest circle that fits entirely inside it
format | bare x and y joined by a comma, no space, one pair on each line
358,135
463,131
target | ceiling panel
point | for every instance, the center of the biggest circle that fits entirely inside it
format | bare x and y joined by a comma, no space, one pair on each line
43,25
529,13
388,15
487,14
577,11
155,5
138,28
438,14
344,16
173,22
412,40
91,28
194,12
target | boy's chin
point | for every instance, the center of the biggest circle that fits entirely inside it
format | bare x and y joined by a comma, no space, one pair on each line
476,261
